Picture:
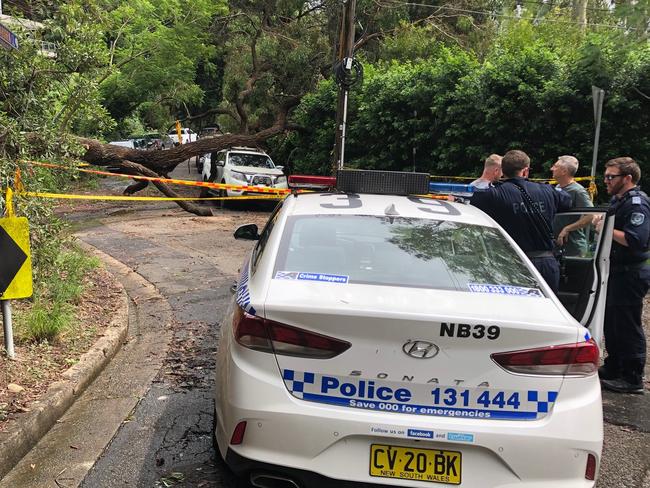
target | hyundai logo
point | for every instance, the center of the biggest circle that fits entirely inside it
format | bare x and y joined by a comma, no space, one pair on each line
420,349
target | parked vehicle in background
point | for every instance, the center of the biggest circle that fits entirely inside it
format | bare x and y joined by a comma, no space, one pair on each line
148,141
187,135
130,143
242,166
210,132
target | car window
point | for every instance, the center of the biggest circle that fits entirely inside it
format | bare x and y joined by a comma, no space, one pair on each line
264,236
403,252
255,160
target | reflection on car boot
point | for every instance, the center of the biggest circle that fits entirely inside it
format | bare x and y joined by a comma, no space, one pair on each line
621,385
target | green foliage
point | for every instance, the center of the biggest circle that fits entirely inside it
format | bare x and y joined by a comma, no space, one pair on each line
271,51
155,48
45,322
530,90
59,287
42,96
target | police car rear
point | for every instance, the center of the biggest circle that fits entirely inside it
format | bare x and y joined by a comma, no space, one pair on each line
402,341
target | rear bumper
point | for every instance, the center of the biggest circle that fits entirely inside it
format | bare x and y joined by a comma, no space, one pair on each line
320,443
246,468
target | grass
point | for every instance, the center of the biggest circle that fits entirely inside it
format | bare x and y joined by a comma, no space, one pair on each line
56,293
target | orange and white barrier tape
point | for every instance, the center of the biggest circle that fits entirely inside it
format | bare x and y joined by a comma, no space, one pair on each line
171,181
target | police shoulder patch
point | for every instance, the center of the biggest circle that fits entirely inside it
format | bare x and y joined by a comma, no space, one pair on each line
637,218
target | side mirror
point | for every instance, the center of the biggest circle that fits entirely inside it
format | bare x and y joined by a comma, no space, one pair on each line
221,162
281,168
247,232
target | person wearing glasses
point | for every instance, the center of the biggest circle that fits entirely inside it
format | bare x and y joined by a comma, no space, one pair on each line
629,278
526,210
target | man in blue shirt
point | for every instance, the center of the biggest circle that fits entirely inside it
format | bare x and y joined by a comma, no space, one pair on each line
526,210
629,278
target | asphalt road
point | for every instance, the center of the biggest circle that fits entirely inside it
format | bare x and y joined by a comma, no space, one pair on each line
164,437
192,262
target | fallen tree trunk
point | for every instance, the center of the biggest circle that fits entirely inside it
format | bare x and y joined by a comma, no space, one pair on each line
164,161
166,190
161,162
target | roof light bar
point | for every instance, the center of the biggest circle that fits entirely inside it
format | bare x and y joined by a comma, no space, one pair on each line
366,181
382,182
312,182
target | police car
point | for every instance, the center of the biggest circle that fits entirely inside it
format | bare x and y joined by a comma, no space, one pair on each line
383,339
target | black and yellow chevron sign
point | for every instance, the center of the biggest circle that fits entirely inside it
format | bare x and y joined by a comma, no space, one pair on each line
15,259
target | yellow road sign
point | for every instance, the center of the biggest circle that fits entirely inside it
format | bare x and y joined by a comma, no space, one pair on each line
15,261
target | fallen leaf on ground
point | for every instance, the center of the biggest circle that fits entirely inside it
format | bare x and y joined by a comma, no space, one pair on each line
14,388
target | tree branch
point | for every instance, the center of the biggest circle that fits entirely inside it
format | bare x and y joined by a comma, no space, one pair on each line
166,190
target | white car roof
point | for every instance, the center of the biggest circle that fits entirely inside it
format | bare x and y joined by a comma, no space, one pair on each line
380,205
245,150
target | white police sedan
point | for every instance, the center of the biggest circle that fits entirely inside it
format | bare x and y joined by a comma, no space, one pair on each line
377,339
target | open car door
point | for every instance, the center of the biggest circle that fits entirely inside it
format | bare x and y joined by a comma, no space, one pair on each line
584,265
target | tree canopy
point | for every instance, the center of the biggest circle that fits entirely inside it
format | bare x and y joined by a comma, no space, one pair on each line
446,83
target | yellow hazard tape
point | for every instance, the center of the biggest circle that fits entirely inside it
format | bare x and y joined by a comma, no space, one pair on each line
472,178
135,198
202,184
224,186
592,189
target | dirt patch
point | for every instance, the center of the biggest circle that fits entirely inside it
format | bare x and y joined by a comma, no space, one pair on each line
37,366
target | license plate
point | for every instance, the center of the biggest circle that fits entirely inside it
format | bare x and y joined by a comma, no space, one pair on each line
408,463
261,180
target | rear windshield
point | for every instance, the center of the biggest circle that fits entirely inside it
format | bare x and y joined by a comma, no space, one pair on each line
256,160
406,252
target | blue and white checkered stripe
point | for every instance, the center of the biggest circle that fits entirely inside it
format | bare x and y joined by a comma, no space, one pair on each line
543,406
243,297
295,381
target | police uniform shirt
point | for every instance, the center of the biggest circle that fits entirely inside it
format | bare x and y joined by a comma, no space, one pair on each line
633,218
505,204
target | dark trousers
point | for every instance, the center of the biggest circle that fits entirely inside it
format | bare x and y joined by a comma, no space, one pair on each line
624,336
550,271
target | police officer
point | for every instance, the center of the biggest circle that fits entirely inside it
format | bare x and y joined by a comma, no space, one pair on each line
629,278
526,210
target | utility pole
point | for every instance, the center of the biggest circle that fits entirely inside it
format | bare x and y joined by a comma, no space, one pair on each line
345,78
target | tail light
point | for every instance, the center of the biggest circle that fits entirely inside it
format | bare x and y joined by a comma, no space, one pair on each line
579,359
268,336
238,434
590,471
